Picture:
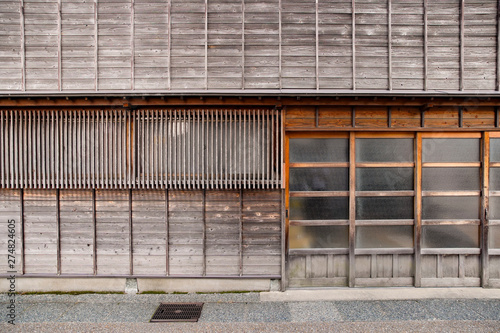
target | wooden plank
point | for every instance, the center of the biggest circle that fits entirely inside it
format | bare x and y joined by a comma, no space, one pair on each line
418,209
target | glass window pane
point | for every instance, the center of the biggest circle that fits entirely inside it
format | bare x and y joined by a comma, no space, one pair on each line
495,150
319,179
446,236
454,208
448,179
384,236
450,150
303,237
384,208
319,150
384,179
495,179
318,208
494,237
384,150
494,208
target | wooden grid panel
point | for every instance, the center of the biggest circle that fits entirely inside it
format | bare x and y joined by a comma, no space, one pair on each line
143,149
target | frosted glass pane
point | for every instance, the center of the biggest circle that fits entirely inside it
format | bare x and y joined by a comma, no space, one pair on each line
495,179
384,179
448,179
384,150
494,208
317,208
301,237
450,208
383,208
384,236
450,150
494,237
495,150
319,179
446,236
319,150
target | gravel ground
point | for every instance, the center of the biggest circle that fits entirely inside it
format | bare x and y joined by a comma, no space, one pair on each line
245,313
354,327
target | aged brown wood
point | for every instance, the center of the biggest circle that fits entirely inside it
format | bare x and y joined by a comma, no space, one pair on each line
352,209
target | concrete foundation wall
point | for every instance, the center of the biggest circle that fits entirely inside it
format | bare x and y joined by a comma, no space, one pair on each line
23,285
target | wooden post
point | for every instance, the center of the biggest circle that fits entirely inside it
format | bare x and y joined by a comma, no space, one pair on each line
418,209
240,249
485,271
462,40
94,233
317,45
426,48
167,255
58,236
96,41
21,232
132,45
23,47
131,235
389,42
352,208
353,27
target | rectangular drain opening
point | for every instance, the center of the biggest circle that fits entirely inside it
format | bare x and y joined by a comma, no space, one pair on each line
168,312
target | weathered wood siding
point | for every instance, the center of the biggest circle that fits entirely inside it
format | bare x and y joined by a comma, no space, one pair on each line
144,232
276,45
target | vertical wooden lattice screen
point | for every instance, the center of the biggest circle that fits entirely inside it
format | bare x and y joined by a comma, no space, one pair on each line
157,149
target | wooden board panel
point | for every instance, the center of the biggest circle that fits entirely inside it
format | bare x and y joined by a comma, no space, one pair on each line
77,228
10,211
112,232
40,234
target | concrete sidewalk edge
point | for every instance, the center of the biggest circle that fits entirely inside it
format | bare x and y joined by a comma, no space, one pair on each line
378,294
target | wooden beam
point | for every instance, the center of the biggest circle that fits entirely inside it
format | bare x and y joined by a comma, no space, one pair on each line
204,204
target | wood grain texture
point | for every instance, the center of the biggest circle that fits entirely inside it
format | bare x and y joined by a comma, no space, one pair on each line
161,45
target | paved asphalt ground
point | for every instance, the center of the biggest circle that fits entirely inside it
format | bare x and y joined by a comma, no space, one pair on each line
334,311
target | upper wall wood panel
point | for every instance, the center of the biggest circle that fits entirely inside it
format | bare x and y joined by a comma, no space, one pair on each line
203,45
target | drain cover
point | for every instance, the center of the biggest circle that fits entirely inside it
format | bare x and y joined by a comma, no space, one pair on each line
177,312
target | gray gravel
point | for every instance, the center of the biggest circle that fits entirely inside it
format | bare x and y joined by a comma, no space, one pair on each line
245,313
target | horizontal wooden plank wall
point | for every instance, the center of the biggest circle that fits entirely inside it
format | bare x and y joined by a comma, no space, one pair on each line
118,149
144,232
401,118
173,45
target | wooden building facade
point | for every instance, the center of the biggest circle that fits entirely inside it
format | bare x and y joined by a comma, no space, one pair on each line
321,143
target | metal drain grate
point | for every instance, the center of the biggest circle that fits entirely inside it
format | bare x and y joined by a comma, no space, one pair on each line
177,312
